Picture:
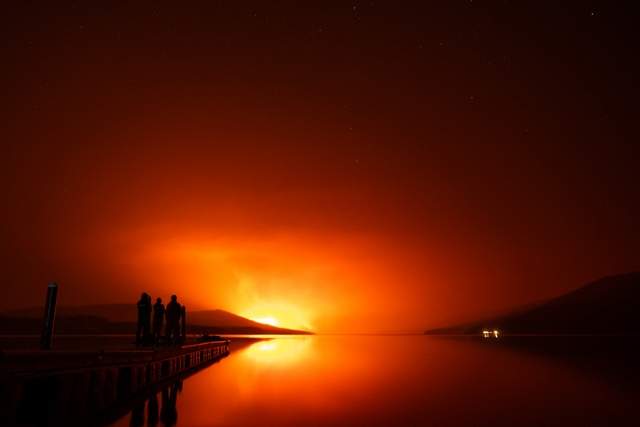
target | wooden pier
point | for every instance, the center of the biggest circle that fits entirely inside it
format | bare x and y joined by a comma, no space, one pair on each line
82,387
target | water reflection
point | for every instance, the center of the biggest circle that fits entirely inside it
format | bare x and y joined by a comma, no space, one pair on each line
381,381
152,407
166,413
280,351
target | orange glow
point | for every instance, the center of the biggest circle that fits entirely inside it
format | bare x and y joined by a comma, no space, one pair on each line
285,351
343,180
343,282
294,278
316,284
245,277
279,314
269,320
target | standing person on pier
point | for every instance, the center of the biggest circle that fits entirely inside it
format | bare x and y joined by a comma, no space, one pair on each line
143,330
173,314
183,323
158,320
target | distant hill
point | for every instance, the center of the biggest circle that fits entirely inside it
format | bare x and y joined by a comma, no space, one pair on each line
225,319
121,318
610,305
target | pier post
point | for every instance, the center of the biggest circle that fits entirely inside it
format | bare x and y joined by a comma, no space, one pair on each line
46,340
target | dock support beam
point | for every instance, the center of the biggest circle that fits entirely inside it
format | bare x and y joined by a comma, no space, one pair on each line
46,340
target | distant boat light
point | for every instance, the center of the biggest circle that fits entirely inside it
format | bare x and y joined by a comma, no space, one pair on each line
486,333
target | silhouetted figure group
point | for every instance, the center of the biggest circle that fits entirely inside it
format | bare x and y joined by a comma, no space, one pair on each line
174,314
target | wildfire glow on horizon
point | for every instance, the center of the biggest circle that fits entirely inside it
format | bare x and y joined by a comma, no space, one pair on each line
268,320
331,168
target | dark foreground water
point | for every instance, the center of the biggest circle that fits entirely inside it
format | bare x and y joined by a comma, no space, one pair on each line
404,381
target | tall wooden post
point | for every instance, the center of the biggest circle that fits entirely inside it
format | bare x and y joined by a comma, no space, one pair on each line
46,340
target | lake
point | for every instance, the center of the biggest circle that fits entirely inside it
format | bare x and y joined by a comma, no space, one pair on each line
400,380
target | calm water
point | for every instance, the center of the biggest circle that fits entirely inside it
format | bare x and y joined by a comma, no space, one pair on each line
393,380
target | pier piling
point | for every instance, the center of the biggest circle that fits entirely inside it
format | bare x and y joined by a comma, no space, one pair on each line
46,339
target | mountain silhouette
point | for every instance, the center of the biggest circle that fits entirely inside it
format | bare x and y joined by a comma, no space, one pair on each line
120,318
608,306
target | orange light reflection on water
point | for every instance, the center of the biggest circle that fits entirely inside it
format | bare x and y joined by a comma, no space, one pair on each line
279,351
386,380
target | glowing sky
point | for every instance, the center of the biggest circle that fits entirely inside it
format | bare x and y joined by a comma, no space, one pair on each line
376,168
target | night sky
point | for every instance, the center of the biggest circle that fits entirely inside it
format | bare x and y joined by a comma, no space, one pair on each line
339,166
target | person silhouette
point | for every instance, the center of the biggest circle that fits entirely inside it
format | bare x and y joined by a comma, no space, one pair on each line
143,330
173,313
158,319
